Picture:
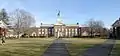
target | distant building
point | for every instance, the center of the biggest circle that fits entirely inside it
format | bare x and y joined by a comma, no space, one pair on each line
116,29
60,30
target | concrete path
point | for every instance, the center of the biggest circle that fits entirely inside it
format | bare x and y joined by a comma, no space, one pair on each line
58,48
101,50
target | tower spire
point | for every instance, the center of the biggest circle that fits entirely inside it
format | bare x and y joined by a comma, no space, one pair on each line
59,20
58,13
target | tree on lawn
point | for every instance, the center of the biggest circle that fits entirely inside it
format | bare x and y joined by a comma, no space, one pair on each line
94,24
100,26
22,21
4,16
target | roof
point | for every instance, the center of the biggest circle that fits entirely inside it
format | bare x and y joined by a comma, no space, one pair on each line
47,25
32,29
116,23
3,24
59,24
72,25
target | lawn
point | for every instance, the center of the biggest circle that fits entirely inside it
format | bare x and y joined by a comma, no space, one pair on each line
116,49
76,46
25,47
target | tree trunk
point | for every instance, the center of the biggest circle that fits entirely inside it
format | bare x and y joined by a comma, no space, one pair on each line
91,32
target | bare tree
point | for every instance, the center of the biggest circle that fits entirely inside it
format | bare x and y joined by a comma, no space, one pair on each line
21,20
90,23
99,24
100,27
94,24
4,16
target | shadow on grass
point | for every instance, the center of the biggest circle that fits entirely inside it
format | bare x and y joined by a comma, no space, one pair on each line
116,49
23,49
79,49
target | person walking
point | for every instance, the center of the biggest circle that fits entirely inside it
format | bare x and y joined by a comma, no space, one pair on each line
3,40
3,37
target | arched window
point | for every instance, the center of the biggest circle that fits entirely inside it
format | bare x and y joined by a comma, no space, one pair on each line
33,34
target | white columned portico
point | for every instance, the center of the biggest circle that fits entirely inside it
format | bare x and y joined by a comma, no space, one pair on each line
58,26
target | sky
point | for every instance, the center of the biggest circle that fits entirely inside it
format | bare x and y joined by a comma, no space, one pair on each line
72,11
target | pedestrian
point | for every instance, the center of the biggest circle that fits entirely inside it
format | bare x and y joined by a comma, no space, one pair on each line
2,38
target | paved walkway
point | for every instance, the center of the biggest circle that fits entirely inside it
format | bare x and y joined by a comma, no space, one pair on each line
58,48
101,50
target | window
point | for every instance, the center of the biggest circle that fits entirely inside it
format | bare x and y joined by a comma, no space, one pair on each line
45,30
69,32
39,30
55,30
75,33
62,29
49,32
72,30
59,29
72,33
75,30
42,29
49,29
66,30
66,33
69,29
39,33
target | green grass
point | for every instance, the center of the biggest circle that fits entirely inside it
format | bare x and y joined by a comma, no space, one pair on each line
77,46
25,47
116,49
